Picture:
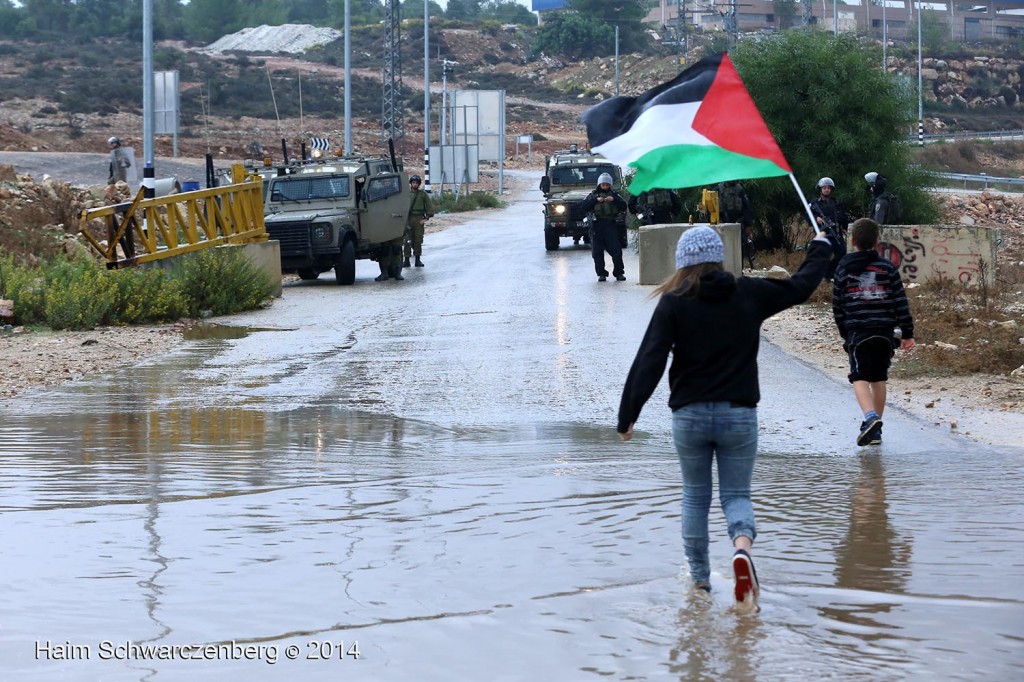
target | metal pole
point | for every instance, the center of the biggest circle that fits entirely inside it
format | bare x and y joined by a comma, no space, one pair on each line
920,82
885,38
348,82
616,61
444,102
148,104
835,17
426,96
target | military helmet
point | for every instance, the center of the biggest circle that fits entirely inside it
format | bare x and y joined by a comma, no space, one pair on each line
825,182
415,178
114,140
871,177
603,178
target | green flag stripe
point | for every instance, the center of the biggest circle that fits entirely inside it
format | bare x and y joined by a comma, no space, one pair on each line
690,165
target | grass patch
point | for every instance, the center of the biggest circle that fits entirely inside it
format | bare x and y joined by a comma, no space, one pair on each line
82,294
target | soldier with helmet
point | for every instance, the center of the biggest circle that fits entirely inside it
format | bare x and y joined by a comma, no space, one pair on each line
420,211
832,218
606,206
119,162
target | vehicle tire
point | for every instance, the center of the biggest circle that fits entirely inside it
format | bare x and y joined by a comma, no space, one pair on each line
308,273
345,268
550,240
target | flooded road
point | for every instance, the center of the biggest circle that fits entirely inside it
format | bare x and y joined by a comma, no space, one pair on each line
429,469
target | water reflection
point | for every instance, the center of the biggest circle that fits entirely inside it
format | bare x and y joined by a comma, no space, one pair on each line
873,556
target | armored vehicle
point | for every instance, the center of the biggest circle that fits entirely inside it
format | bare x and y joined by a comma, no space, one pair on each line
326,215
569,176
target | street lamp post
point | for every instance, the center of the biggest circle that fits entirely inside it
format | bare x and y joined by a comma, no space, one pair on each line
347,144
920,82
885,37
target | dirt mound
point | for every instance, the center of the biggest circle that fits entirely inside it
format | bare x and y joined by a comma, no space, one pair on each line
293,38
13,140
988,209
38,219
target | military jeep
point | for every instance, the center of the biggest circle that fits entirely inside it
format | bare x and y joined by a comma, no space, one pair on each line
569,176
327,215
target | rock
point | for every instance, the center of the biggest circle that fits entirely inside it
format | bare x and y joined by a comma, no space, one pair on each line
946,346
1018,373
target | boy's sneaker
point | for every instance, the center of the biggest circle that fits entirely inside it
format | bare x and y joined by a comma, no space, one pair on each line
867,429
876,435
702,585
746,576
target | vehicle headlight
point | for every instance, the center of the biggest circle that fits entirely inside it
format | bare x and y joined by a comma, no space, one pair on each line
559,209
322,232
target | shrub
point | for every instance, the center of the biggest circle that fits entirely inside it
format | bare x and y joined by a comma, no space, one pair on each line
450,202
222,282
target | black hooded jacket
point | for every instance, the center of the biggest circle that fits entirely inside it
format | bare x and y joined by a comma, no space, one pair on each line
868,297
714,338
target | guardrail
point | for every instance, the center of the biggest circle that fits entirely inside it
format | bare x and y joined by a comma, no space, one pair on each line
985,180
956,136
178,223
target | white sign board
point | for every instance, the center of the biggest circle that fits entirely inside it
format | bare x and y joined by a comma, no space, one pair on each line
478,117
165,102
454,164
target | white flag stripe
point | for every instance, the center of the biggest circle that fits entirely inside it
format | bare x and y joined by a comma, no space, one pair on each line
659,126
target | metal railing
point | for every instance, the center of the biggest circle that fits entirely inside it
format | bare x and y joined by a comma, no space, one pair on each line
956,136
986,181
156,228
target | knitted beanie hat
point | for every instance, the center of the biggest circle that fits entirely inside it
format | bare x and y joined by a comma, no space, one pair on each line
699,245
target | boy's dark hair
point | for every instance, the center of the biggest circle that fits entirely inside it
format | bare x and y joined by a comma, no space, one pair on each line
864,234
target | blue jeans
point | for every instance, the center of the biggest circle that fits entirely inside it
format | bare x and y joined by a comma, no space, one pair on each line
702,432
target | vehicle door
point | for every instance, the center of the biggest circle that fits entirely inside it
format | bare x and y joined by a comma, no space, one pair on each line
385,207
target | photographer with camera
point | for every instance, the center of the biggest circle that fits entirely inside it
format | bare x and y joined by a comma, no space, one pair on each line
832,218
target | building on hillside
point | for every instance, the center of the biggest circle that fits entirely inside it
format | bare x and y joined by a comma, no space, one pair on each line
542,7
969,21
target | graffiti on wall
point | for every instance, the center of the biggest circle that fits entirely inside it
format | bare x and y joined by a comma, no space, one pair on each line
923,252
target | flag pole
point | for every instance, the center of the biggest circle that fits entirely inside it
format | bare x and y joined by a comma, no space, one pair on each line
807,206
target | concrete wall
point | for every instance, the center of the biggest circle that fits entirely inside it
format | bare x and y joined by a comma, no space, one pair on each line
658,249
265,256
958,252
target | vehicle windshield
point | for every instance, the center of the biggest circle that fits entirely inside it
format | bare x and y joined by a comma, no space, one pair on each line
308,188
580,175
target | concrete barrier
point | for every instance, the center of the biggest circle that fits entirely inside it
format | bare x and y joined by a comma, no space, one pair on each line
658,249
265,256
962,253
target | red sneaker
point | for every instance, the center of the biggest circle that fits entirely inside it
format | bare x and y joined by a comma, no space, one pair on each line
746,576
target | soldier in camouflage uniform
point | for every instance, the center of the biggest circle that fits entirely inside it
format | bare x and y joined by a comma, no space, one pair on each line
420,211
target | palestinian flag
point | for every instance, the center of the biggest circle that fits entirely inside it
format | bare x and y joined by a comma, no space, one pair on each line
700,128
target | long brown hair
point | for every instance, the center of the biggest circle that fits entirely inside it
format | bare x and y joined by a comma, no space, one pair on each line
685,282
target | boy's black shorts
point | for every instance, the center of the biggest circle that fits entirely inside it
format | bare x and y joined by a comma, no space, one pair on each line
870,358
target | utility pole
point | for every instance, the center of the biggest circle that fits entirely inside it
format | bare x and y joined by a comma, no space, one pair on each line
885,38
446,68
426,96
392,121
148,99
920,82
348,84
616,60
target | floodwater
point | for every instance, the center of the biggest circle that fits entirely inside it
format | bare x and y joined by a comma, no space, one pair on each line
428,470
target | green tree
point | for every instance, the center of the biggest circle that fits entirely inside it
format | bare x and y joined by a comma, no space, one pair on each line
207,20
572,35
465,10
10,17
628,15
838,116
507,12
935,32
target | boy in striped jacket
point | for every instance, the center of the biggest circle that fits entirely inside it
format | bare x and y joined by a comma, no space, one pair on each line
869,303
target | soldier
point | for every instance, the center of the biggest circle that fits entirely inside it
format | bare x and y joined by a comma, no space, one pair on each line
734,207
606,205
119,162
420,211
656,206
